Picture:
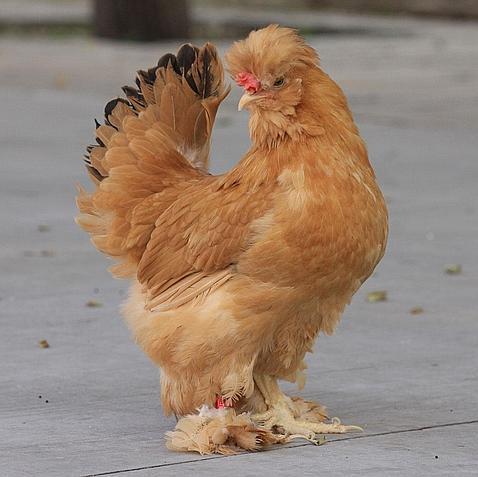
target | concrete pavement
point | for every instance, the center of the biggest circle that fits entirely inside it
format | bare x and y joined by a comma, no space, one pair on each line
89,404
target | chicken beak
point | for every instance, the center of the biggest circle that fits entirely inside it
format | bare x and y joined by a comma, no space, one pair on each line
246,99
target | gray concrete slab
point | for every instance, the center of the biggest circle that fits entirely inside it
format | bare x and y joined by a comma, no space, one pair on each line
409,380
390,455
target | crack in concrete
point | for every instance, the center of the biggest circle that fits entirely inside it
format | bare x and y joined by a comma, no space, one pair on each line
364,436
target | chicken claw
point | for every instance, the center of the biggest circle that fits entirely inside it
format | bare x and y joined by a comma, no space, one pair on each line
283,416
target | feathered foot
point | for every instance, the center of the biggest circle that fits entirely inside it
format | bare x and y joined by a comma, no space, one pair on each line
219,431
308,410
294,418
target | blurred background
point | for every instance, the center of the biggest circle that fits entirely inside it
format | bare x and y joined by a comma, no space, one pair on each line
397,49
149,20
77,395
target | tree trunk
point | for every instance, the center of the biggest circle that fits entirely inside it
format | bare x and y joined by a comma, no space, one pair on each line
141,20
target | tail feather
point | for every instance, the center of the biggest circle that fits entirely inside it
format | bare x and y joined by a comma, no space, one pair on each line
160,134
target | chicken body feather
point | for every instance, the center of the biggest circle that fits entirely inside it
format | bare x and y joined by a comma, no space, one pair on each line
237,274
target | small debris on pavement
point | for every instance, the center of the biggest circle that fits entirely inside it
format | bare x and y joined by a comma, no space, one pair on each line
43,344
41,253
454,269
61,81
417,310
93,304
43,228
375,296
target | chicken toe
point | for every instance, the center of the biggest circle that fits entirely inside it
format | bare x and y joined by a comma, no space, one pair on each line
294,418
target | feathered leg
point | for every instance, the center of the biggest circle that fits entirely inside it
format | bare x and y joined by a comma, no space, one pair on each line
220,431
294,417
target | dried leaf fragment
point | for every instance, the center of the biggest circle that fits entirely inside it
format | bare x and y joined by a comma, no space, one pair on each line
453,269
43,344
93,304
417,310
375,296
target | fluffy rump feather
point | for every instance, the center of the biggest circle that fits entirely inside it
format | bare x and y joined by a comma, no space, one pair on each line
149,144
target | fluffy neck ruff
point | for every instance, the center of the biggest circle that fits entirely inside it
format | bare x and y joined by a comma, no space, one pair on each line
322,111
268,129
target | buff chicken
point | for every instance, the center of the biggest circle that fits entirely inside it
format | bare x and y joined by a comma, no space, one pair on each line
235,275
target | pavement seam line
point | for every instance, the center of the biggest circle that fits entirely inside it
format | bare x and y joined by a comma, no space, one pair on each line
379,434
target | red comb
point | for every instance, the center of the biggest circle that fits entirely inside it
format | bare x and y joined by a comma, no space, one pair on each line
248,81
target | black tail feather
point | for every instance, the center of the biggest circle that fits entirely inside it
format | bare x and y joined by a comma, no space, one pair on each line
188,57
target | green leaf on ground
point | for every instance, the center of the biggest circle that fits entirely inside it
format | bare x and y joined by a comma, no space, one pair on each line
453,269
375,296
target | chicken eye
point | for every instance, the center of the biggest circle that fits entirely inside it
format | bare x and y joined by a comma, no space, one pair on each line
279,82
